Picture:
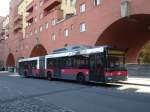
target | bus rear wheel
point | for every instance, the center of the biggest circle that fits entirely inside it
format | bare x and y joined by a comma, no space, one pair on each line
81,78
25,74
49,76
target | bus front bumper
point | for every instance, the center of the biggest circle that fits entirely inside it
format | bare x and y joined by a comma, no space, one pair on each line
111,79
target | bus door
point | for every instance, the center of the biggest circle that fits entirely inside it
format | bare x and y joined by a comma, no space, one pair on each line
57,69
96,67
33,68
42,67
30,73
20,68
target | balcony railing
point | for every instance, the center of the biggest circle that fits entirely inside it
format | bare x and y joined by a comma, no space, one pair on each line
7,33
29,18
50,4
2,38
2,32
18,17
18,27
29,8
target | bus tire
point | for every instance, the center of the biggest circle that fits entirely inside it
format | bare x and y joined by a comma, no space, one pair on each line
25,74
81,78
49,76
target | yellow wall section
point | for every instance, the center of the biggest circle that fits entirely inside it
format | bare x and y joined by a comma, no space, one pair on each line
22,11
68,7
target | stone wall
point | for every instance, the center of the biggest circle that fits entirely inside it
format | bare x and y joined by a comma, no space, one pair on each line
140,70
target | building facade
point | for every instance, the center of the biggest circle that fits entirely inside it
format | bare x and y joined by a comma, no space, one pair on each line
2,33
39,26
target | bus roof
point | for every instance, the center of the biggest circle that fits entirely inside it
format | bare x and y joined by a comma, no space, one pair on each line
29,59
98,49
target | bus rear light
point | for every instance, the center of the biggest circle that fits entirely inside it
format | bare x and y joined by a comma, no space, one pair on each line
62,70
87,73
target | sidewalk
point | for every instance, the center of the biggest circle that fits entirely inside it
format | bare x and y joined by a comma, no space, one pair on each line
137,81
4,72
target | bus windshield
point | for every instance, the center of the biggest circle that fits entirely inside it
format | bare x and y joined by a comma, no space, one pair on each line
116,63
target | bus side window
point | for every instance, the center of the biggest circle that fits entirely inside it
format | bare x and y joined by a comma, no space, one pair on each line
78,63
26,66
68,62
83,62
51,63
60,63
99,60
33,64
99,64
92,62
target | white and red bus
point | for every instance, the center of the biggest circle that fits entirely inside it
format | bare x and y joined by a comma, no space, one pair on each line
100,64
34,67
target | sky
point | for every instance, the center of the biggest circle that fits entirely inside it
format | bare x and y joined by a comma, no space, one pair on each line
4,7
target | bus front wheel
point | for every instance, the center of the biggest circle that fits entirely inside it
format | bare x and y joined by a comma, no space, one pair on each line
81,78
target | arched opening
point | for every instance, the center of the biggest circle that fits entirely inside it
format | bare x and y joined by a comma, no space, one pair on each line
129,33
38,50
144,54
10,60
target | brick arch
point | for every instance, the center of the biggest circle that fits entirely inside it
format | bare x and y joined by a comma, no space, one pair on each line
142,47
10,60
38,50
129,33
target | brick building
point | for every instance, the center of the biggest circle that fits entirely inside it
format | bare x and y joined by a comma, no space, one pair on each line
39,26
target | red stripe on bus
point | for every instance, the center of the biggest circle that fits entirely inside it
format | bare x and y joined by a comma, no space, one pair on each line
35,71
116,73
74,71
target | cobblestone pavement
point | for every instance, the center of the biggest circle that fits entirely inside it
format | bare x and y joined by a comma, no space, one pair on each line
30,105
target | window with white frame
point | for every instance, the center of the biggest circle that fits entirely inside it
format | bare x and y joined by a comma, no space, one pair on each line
41,2
41,15
72,2
97,2
41,28
53,22
124,8
82,8
36,31
82,27
35,19
53,37
66,32
72,26
46,25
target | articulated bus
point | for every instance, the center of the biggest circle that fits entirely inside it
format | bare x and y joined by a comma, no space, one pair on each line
34,67
98,64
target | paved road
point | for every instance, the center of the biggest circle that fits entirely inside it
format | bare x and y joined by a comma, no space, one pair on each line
19,94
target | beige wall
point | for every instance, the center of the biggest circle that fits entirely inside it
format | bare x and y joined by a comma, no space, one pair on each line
6,26
68,7
22,11
6,22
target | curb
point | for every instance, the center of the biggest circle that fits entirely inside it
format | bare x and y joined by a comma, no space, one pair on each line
130,83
